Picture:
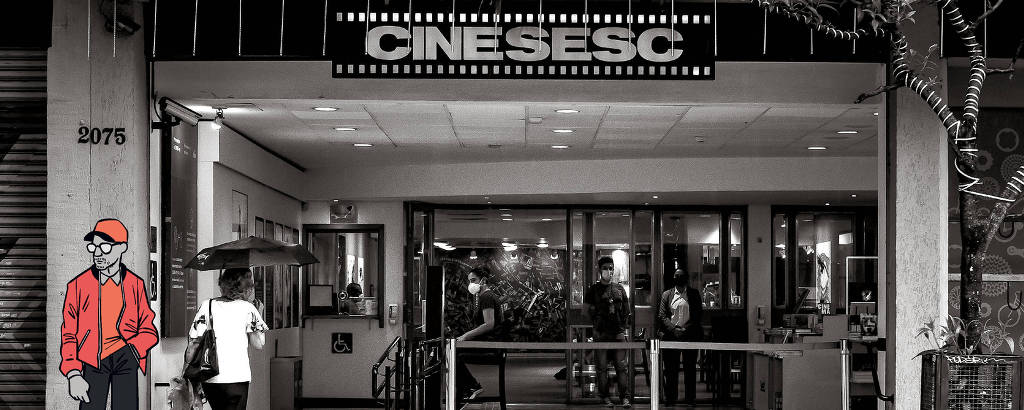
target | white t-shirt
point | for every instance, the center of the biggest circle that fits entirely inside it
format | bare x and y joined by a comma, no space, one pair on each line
232,322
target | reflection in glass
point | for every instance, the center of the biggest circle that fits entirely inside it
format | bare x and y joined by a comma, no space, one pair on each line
691,243
524,250
737,266
643,264
345,258
780,267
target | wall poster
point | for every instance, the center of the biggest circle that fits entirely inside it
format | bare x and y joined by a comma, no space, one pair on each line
240,215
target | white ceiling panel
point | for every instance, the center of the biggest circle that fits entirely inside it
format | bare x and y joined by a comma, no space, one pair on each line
620,121
548,110
568,121
648,110
787,123
423,135
544,135
680,132
646,134
492,123
772,134
406,108
806,111
463,112
720,116
626,144
331,116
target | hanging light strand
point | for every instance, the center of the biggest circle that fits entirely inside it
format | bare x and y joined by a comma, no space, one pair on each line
366,35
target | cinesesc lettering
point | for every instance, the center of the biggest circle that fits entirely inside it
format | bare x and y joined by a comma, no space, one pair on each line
97,136
608,44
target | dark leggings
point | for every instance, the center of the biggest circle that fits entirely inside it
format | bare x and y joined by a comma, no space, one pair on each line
227,396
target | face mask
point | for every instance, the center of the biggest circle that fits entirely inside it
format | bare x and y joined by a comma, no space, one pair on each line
681,282
474,288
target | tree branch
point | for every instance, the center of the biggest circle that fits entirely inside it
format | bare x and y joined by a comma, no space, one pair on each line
909,78
830,30
1009,69
881,89
1012,193
978,70
987,13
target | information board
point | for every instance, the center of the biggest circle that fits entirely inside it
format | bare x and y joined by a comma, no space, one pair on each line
179,161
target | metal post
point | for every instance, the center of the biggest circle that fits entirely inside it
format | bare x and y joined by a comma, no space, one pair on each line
387,387
449,403
655,366
844,355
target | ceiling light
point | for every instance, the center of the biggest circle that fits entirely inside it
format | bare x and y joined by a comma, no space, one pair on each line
325,109
567,111
654,196
817,148
545,219
487,197
562,131
560,147
506,219
335,200
506,215
362,145
504,209
647,203
827,204
542,245
853,195
345,128
846,132
472,254
876,114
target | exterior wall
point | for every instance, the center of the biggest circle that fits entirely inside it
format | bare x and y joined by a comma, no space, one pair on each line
89,85
348,375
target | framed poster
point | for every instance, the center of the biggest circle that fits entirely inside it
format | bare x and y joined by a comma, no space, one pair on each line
240,215
178,207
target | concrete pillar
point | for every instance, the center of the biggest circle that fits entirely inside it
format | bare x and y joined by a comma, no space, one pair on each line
919,216
89,86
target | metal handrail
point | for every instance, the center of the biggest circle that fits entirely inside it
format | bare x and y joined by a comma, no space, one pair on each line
389,372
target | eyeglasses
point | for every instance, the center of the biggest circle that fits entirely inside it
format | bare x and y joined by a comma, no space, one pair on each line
104,247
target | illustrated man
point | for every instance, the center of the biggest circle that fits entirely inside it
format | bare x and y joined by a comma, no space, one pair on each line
608,309
108,329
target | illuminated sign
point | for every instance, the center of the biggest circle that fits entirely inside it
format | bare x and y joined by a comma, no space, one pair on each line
525,45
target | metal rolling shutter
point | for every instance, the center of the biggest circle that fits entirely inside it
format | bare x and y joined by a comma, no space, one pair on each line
22,229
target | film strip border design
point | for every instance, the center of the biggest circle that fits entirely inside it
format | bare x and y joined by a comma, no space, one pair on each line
551,18
574,71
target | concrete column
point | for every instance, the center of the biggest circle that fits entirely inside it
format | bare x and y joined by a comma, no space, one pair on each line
89,86
919,216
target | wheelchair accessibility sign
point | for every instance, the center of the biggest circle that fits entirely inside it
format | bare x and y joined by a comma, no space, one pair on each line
341,343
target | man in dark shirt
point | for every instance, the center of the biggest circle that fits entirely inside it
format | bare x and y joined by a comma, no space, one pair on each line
608,308
679,320
486,310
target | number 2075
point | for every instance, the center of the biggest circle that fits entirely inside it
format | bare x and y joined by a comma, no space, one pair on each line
96,136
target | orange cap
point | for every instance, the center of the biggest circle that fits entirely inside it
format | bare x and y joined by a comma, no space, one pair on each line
109,229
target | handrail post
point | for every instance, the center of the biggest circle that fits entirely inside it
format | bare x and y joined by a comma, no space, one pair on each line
844,355
655,366
449,403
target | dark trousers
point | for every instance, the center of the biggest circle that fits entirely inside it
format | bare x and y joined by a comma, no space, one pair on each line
118,374
619,360
227,396
670,359
464,380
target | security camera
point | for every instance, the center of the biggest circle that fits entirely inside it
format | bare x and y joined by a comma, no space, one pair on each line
124,10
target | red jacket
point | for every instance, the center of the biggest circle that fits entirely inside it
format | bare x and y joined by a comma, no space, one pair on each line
80,334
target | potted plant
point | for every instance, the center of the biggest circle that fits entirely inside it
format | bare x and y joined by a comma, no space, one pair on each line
958,375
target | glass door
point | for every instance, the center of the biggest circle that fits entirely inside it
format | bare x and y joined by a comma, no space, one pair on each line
596,234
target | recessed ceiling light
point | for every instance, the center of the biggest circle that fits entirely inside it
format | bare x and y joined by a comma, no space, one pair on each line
335,200
345,128
647,203
846,132
817,148
506,219
876,114
325,109
560,147
542,245
853,195
567,111
827,204
545,219
562,131
654,196
362,145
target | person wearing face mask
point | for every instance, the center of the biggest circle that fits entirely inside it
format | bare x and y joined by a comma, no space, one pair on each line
679,320
486,308
608,309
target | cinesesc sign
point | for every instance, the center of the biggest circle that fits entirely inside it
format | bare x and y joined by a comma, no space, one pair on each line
525,45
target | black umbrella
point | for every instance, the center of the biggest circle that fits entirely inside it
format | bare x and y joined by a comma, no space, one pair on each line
251,251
